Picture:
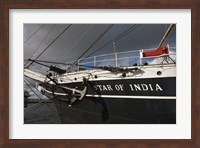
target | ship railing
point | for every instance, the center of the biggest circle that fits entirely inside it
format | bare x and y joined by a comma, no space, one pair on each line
120,59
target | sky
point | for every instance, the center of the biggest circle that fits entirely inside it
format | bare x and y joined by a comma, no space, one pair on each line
68,42
78,38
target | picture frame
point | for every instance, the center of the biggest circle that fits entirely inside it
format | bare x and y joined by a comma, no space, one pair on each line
90,4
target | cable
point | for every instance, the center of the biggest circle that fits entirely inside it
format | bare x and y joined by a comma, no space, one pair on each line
51,62
116,38
34,33
37,94
32,90
81,36
50,44
127,32
40,43
169,40
165,35
101,35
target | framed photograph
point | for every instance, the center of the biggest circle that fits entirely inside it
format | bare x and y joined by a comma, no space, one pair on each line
107,74
104,78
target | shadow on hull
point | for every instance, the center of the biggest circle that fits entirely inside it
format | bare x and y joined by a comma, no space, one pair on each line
118,111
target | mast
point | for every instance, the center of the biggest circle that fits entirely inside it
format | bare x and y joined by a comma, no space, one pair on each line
165,35
115,52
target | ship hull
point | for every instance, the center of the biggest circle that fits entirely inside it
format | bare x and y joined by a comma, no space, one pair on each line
119,111
123,101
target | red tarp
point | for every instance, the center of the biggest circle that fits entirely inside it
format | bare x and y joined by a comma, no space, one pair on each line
159,51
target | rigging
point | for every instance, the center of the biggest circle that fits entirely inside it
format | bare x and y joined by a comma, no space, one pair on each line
76,43
51,68
40,43
116,38
101,35
34,33
50,44
166,34
37,95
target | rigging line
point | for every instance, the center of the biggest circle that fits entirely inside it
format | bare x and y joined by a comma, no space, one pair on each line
37,94
51,43
165,27
36,104
126,31
166,34
34,33
39,103
51,62
101,35
41,43
116,38
26,63
30,82
170,37
82,35
136,26
32,90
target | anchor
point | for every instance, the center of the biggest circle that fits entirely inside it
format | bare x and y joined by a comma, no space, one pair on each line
75,96
75,92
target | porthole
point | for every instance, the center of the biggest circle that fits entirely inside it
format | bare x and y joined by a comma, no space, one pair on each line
159,73
124,75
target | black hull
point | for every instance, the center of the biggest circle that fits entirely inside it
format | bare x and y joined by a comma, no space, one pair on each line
124,101
118,111
127,87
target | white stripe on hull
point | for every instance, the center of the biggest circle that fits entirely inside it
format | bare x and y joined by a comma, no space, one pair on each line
119,96
132,97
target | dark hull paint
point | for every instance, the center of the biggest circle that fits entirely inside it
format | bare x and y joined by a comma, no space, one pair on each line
168,86
151,87
93,110
118,111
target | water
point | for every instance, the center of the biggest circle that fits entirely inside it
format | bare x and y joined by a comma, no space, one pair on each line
120,111
43,113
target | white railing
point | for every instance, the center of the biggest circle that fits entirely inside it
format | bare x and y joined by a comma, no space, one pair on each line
127,58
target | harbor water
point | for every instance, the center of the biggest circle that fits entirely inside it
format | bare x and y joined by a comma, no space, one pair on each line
41,113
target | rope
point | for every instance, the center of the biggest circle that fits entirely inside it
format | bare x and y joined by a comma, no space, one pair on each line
37,95
101,35
41,43
116,38
34,33
165,35
50,44
82,35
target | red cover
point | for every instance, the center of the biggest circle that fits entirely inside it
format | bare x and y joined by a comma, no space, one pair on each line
157,52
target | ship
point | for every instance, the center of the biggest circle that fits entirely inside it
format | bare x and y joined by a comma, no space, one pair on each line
89,91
